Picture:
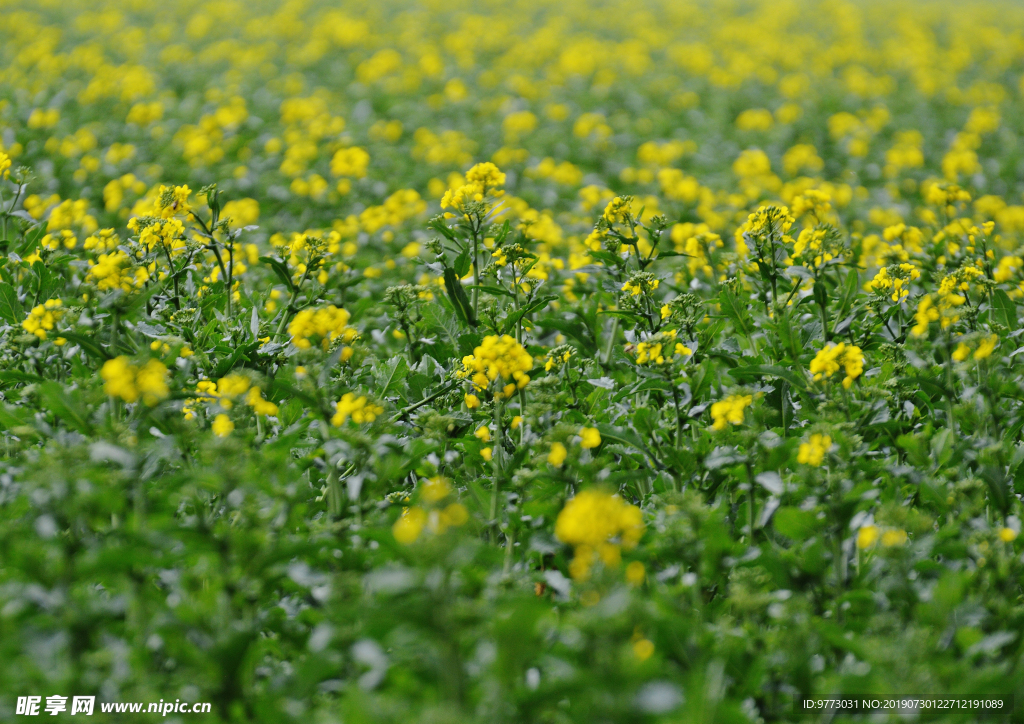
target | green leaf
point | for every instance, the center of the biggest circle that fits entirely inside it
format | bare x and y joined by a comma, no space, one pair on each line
10,308
462,264
8,376
65,405
458,297
795,524
1004,310
850,289
390,373
734,311
513,318
88,346
281,270
753,371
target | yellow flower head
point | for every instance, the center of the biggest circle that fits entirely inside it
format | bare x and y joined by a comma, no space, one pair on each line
358,408
813,451
590,437
729,410
829,360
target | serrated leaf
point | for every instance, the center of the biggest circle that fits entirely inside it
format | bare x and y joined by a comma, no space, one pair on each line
389,373
457,295
10,308
794,523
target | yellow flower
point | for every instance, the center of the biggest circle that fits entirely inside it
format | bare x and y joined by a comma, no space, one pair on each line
327,323
729,410
813,451
1007,535
486,453
472,402
594,517
986,347
596,523
409,526
643,649
5,165
259,404
516,422
358,408
483,433
961,352
867,536
222,425
828,360
435,489
590,437
557,455
124,380
498,357
43,318
894,537
636,574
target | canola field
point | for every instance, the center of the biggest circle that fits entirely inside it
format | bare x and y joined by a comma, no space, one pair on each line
528,361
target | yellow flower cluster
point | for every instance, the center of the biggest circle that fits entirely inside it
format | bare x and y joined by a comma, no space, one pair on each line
813,451
984,350
896,278
127,381
617,210
114,271
590,437
829,359
171,201
481,180
730,410
409,526
869,535
326,324
498,357
358,408
5,165
43,318
597,524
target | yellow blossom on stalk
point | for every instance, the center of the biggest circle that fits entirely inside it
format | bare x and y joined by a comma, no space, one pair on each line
986,347
43,318
557,454
5,165
472,401
894,537
729,410
481,180
895,278
926,313
590,437
829,359
130,383
647,353
113,271
617,210
222,425
597,523
259,404
409,525
498,357
636,574
813,451
358,408
867,536
326,324
483,433
171,201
